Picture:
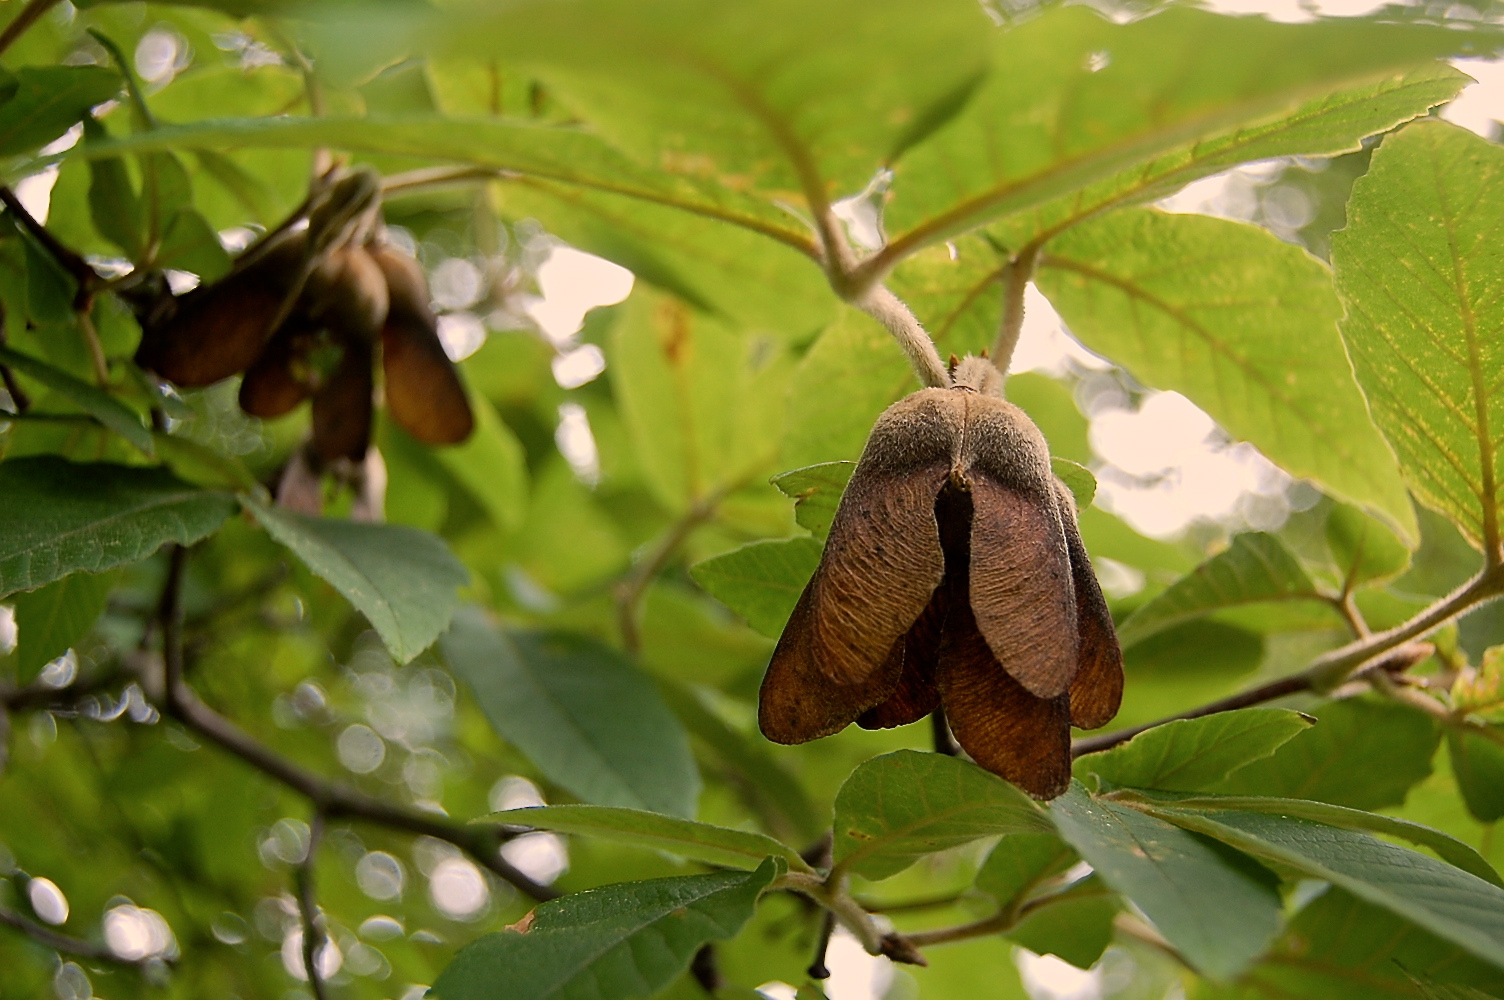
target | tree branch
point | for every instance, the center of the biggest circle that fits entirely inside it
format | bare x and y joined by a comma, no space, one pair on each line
630,591
29,15
333,800
308,910
67,259
78,947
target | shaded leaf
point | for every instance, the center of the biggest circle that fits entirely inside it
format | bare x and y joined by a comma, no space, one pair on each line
1363,549
583,714
50,620
1216,915
90,399
1478,764
1077,929
1255,567
1447,901
716,845
816,491
1363,753
1416,270
63,517
619,941
1020,861
1077,478
1215,309
402,579
1195,754
48,101
761,581
896,808
189,243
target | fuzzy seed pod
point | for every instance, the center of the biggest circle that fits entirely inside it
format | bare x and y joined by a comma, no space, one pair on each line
348,292
219,329
423,390
954,576
279,380
342,406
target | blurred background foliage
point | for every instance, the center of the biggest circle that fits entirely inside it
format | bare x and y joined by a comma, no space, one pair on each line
623,439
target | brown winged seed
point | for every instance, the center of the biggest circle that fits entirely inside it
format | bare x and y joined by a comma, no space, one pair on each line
954,576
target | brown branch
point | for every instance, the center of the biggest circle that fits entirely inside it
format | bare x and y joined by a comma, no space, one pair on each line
333,800
78,947
1004,920
29,15
308,910
78,268
629,592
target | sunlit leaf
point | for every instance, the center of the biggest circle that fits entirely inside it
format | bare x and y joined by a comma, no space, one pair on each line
761,581
1193,754
816,491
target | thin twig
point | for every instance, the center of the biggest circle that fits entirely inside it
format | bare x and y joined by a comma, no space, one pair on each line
1004,920
92,342
29,15
334,800
630,591
1347,607
308,909
1018,274
429,177
817,967
891,311
77,947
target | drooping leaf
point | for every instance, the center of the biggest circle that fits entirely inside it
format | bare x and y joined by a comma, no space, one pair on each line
1449,848
896,808
1219,917
1447,901
816,491
589,720
1077,478
1077,930
1255,567
63,517
1195,754
491,465
1124,111
50,620
686,838
1390,746
613,943
761,581
1415,269
1477,755
90,399
1215,309
48,101
402,579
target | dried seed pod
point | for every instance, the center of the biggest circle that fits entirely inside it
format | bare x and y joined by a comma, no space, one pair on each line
279,379
342,406
953,575
348,292
219,329
423,390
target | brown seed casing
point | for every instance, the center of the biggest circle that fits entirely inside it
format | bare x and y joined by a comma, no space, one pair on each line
279,379
220,329
342,406
954,574
423,390
348,292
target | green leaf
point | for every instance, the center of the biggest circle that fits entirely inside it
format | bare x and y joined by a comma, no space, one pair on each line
1215,309
1077,929
1077,478
62,517
1194,754
715,845
1449,848
816,491
51,619
1449,902
1478,764
90,399
48,101
189,243
1432,990
1341,948
589,720
619,941
114,205
1415,268
896,808
1020,862
1126,110
702,402
402,579
1217,916
1255,567
491,465
1363,549
761,581
1363,753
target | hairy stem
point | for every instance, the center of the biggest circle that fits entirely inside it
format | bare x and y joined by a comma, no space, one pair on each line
1018,274
891,311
